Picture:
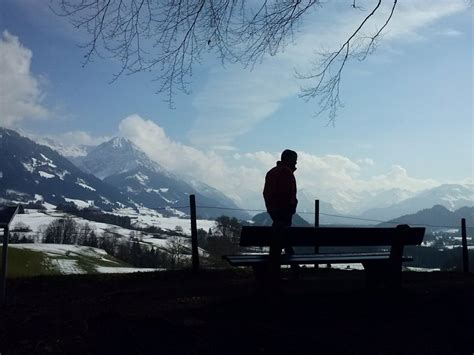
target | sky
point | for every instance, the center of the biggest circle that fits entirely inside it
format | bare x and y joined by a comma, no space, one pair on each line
406,121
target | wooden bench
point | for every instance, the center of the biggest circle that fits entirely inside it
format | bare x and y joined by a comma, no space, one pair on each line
383,265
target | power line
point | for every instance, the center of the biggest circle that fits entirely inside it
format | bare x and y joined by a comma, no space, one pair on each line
231,208
304,212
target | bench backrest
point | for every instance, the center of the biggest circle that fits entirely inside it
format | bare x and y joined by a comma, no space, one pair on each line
334,236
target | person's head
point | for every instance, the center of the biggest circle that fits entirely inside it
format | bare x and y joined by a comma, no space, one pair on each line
289,158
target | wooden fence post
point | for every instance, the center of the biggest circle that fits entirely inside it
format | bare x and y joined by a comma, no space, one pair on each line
316,225
194,241
465,252
3,285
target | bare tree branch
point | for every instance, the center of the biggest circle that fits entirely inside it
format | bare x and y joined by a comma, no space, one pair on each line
168,37
326,86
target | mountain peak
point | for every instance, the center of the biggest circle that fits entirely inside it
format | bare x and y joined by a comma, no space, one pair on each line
116,156
120,142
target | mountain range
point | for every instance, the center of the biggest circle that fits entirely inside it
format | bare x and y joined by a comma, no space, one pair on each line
114,174
29,171
450,196
123,165
436,217
117,173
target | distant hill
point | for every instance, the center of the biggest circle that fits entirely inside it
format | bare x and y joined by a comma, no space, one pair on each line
436,216
264,219
451,196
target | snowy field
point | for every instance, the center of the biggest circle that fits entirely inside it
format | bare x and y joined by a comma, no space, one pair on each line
146,217
64,258
37,220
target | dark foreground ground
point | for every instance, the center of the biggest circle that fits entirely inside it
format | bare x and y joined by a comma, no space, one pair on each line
224,312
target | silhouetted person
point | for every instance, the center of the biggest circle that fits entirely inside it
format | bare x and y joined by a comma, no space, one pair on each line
280,199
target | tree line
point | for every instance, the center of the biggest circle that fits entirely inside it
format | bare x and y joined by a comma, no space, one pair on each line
176,252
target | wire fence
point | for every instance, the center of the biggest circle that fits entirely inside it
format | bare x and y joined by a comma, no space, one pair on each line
304,213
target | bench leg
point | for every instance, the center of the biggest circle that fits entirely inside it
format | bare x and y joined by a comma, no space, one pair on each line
273,267
395,275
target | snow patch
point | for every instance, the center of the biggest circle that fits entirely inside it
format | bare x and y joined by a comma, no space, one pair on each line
46,175
14,192
67,267
176,212
79,203
158,192
62,174
118,142
105,200
421,269
46,158
28,167
142,178
82,183
49,206
123,270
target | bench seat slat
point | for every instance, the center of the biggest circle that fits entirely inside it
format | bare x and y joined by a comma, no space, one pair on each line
361,254
251,260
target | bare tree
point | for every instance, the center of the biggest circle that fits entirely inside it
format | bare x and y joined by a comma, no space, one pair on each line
177,248
61,231
169,36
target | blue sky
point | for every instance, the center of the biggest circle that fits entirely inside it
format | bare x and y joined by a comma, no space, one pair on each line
407,120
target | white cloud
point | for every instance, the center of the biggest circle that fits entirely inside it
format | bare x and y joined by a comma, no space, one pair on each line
69,144
414,15
449,32
234,100
20,90
241,176
365,161
397,177
77,138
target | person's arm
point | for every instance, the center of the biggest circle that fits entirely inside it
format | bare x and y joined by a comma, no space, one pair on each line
269,193
287,191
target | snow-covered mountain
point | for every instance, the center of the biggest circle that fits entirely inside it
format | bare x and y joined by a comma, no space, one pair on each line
29,171
114,157
129,174
381,199
66,150
327,212
451,196
122,164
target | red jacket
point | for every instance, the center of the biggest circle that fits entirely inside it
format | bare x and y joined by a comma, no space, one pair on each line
280,190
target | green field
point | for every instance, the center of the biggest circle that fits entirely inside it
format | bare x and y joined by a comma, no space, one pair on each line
26,263
23,263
